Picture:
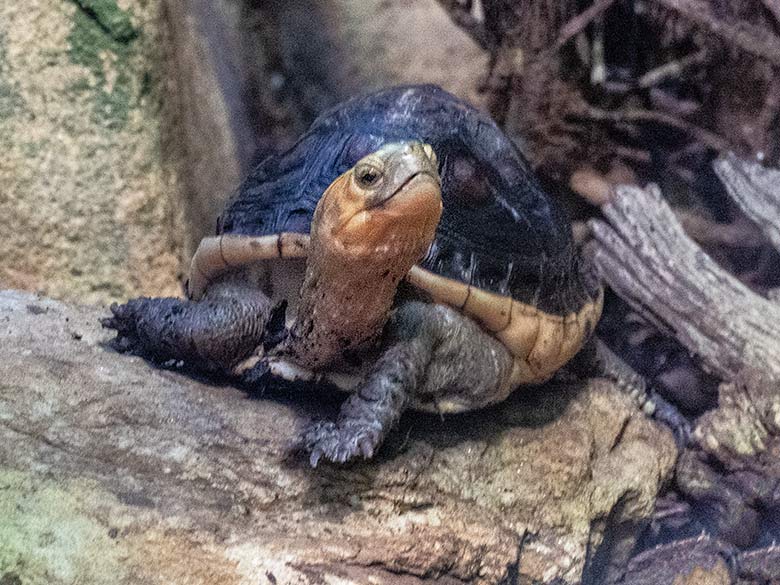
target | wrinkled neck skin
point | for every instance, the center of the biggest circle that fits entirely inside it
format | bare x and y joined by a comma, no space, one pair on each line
354,268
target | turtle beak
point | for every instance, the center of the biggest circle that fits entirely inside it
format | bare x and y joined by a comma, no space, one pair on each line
401,213
414,163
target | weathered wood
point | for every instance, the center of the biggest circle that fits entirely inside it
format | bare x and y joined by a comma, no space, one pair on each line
646,257
756,190
644,254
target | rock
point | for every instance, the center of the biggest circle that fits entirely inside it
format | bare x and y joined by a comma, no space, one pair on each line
89,212
113,471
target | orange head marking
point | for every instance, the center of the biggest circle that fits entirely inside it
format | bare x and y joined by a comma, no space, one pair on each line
388,204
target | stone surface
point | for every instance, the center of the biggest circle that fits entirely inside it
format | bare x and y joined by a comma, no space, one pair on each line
112,471
87,209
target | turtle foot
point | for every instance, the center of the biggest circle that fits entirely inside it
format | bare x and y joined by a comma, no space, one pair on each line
664,412
213,334
340,443
124,320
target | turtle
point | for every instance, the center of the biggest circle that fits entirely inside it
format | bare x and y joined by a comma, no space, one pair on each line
421,263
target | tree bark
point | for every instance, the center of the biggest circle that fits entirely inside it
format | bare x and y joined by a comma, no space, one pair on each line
756,190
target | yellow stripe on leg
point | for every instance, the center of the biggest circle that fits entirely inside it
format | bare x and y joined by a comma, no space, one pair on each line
219,254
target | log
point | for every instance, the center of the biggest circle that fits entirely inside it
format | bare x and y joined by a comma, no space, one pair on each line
647,258
756,190
113,471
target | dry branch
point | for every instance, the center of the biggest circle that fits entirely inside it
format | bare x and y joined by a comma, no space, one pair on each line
752,39
738,234
671,69
648,259
577,24
631,115
757,192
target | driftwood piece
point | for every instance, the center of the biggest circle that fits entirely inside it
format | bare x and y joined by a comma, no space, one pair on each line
112,471
647,258
756,190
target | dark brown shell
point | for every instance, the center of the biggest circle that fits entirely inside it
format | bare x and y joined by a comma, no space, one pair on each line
499,230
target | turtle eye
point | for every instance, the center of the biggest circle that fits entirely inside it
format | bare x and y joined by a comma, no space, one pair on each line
368,176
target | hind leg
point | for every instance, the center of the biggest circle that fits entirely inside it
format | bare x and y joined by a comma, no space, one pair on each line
435,358
212,334
597,359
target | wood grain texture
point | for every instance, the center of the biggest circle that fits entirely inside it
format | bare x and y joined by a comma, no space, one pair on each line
646,257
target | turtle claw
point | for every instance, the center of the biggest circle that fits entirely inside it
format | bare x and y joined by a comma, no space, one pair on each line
667,414
339,444
123,321
366,447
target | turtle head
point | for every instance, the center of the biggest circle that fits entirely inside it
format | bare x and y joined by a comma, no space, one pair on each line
372,224
390,198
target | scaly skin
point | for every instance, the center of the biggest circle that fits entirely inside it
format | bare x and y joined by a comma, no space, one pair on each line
433,354
212,335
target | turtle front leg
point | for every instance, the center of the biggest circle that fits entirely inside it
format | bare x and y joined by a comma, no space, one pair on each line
212,334
435,358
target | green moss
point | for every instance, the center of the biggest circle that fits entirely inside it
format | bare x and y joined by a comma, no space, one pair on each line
102,40
109,16
31,149
47,537
10,100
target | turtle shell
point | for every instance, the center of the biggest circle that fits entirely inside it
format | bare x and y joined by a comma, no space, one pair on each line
499,230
